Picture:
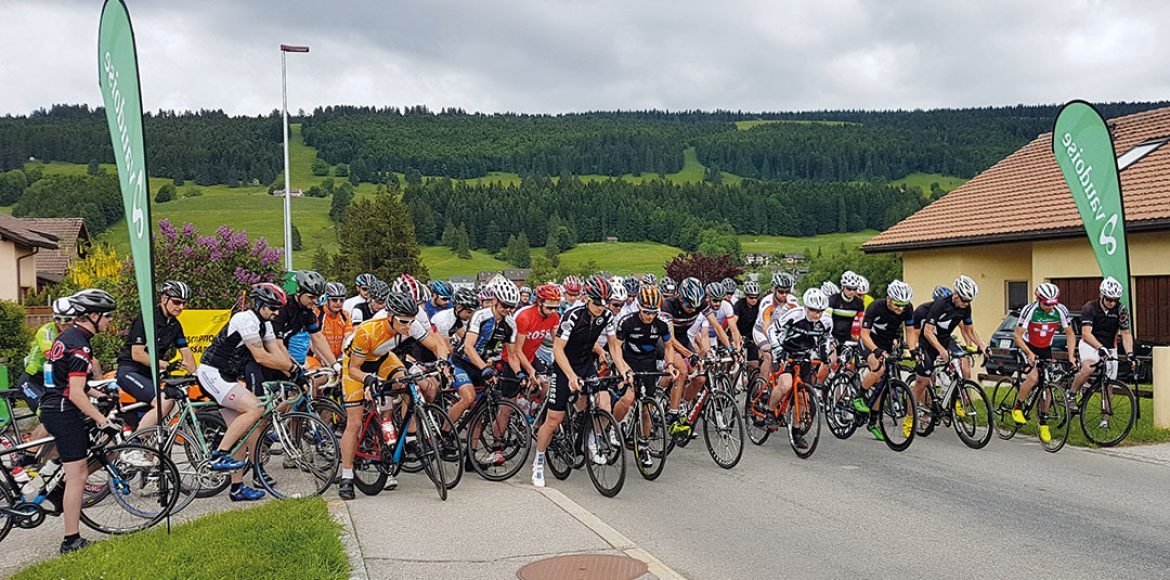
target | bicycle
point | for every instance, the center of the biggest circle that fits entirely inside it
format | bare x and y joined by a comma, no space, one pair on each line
964,404
644,427
890,398
1108,408
797,411
723,429
591,429
509,437
1047,397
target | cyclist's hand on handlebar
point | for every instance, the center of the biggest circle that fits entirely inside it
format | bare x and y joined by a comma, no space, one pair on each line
1103,352
574,383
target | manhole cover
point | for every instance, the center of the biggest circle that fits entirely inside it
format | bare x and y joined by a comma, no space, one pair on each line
583,567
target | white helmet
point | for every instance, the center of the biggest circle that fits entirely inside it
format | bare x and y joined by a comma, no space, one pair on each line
782,280
617,292
899,291
965,288
1111,288
850,279
814,299
829,288
863,287
507,293
1048,293
63,309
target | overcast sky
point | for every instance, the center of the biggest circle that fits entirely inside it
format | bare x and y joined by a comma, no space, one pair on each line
553,56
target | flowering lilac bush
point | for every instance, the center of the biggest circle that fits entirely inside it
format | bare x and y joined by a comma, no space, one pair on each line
217,267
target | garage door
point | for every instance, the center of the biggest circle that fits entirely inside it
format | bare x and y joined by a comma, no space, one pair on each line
1152,294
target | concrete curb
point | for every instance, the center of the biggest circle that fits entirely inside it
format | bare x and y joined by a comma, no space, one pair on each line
353,549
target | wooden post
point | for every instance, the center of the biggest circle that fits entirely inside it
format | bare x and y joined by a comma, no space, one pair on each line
1161,386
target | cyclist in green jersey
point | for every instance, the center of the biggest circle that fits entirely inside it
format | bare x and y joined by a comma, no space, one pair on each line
1039,322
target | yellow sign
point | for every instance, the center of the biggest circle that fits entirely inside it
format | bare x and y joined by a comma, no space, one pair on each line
201,326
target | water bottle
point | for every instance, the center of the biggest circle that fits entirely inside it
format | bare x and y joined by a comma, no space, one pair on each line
34,486
389,432
48,372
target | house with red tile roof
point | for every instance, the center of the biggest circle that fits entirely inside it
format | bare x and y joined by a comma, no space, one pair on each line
1016,225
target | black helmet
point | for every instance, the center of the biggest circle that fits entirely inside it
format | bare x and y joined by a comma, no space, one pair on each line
667,285
597,289
310,282
379,290
364,280
175,289
268,294
92,301
466,298
335,290
401,303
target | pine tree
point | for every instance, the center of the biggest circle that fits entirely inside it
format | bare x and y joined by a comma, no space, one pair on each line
377,236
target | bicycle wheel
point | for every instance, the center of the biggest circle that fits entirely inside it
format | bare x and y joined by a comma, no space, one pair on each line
329,412
1108,413
970,411
1003,400
498,440
804,421
1053,411
309,459
427,443
896,415
369,459
755,410
189,457
723,430
606,465
8,500
447,438
838,409
649,435
928,416
132,487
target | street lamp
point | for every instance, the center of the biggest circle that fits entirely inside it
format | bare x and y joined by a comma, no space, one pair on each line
284,49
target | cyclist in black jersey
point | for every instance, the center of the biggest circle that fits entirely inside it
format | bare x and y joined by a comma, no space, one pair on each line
914,336
844,306
574,360
881,331
1102,320
634,346
941,321
746,311
683,312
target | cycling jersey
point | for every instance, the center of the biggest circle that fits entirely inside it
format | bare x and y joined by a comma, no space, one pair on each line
374,342
921,313
674,313
228,352
945,315
769,310
1040,326
335,328
294,319
1105,324
793,333
722,314
885,325
350,306
70,356
580,331
46,335
432,309
491,334
640,339
168,334
745,316
363,312
419,329
843,312
535,328
449,325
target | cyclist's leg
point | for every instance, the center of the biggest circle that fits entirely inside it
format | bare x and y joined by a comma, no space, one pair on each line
72,444
142,389
464,385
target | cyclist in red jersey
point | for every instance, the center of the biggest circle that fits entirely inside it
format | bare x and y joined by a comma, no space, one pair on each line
533,324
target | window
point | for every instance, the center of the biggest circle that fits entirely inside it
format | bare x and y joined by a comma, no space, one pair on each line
1139,151
1017,294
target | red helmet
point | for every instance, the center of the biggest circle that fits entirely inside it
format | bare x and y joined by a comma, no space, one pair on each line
548,293
572,284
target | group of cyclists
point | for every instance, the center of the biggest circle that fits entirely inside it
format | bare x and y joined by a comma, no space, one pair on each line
539,344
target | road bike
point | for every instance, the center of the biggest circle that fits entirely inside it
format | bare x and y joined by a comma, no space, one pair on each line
589,438
891,399
949,398
798,410
1048,398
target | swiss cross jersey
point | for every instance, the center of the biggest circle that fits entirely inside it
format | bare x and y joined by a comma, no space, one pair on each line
640,339
844,311
168,334
535,328
1040,326
745,316
674,313
70,356
228,351
885,325
580,331
491,334
1105,323
294,319
946,317
793,332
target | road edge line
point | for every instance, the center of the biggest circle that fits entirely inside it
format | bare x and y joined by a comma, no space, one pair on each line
349,540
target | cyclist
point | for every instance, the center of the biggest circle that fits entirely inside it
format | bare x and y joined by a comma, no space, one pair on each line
487,296
668,288
370,308
774,305
746,310
441,294
134,361
489,331
525,296
297,315
632,286
686,314
797,331
573,355
649,280
634,347
914,336
845,306
1038,323
940,323
1101,322
617,303
571,288
363,283
881,329
451,324
65,405
31,384
248,338
720,305
534,324
334,322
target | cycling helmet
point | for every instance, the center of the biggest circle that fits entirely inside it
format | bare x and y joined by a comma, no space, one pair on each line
966,288
466,298
829,288
175,289
1111,288
691,292
63,309
379,290
850,280
507,293
548,293
401,303
335,290
268,294
863,288
632,285
715,291
572,284
783,280
615,281
899,291
442,289
618,293
667,285
729,286
1048,294
406,284
751,288
597,289
649,279
487,293
310,282
940,291
526,290
649,298
364,280
814,299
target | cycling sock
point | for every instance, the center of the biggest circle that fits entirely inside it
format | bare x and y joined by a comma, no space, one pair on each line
539,461
346,473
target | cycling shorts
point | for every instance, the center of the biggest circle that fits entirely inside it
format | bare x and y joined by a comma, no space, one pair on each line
67,426
929,354
353,391
1088,353
559,391
135,384
227,392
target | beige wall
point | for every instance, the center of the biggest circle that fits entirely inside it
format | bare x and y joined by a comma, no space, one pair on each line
10,252
1149,255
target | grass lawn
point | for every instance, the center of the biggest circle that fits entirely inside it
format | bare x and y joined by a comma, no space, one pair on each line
622,257
442,263
923,181
692,172
745,125
791,244
252,543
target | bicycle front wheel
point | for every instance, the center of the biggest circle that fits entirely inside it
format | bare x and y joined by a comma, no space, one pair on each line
804,421
187,455
132,487
1108,413
838,408
1003,400
756,411
605,453
723,430
971,415
450,457
309,458
498,440
649,435
896,416
369,461
1054,413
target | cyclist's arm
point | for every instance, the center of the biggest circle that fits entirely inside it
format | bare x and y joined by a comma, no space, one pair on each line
1071,345
79,398
278,360
322,349
928,330
188,359
1087,334
1023,344
140,356
615,351
912,336
516,353
1127,341
971,336
719,333
736,337
436,345
470,353
562,361
867,340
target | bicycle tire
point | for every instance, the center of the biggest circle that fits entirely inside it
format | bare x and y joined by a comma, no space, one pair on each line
601,423
721,419
192,460
807,424
449,451
655,448
1093,413
369,474
428,457
1058,413
895,408
1003,399
838,410
971,416
929,405
8,499
310,449
155,480
514,444
757,431
331,413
